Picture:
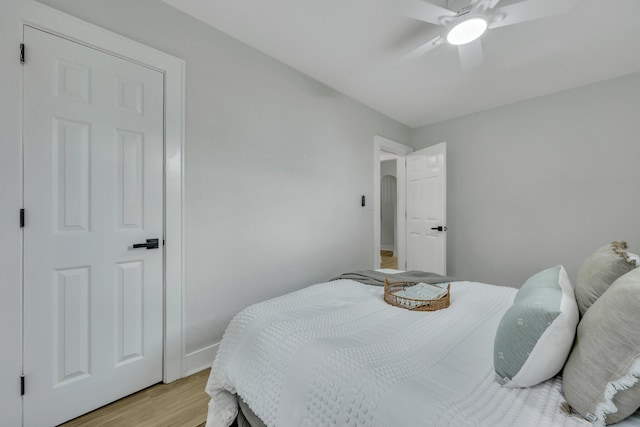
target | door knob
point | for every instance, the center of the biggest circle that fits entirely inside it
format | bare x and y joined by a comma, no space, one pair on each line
439,228
151,244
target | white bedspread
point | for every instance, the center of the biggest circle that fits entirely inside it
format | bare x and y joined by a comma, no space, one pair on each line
335,354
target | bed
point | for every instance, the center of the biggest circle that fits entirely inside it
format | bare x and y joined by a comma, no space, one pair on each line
335,354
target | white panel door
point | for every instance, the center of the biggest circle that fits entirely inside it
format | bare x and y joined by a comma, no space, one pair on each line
93,187
427,209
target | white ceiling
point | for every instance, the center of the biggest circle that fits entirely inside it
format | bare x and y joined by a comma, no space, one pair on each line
355,46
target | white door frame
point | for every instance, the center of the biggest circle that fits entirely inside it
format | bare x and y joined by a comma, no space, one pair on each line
383,144
17,14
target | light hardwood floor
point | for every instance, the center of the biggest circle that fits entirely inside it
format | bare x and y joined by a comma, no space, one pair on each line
182,403
388,260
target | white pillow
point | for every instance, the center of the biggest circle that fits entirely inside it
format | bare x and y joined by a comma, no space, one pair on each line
536,334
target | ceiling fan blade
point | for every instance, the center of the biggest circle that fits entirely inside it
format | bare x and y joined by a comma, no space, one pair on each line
423,48
470,55
493,3
422,10
529,10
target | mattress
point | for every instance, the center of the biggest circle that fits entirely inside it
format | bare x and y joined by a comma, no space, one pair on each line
335,354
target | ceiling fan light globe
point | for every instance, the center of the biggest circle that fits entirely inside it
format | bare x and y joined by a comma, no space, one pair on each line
466,31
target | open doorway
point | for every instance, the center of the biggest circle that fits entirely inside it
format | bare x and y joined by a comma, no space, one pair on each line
388,210
421,201
389,202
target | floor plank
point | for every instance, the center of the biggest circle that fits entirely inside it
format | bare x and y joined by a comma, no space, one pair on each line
388,260
182,403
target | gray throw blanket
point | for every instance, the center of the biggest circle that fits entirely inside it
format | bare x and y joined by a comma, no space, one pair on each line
375,278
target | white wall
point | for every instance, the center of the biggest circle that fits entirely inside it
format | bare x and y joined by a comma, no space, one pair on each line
388,167
275,166
541,182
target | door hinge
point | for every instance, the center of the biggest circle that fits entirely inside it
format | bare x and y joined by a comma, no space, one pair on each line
163,242
21,218
21,385
22,53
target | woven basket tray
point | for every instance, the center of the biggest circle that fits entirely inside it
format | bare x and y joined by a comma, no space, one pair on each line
390,297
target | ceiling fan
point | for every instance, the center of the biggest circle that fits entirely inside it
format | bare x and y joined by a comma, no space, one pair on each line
463,22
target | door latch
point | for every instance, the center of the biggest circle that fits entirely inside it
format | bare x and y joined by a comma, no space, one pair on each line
439,228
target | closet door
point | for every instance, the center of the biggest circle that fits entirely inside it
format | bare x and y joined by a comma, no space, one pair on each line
93,187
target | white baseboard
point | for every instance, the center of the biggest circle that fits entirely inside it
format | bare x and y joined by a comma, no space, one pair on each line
199,360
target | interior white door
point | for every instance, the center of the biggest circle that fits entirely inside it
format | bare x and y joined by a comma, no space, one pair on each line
427,209
93,187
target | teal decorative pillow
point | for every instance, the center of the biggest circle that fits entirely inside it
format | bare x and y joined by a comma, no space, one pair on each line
536,333
600,270
600,379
